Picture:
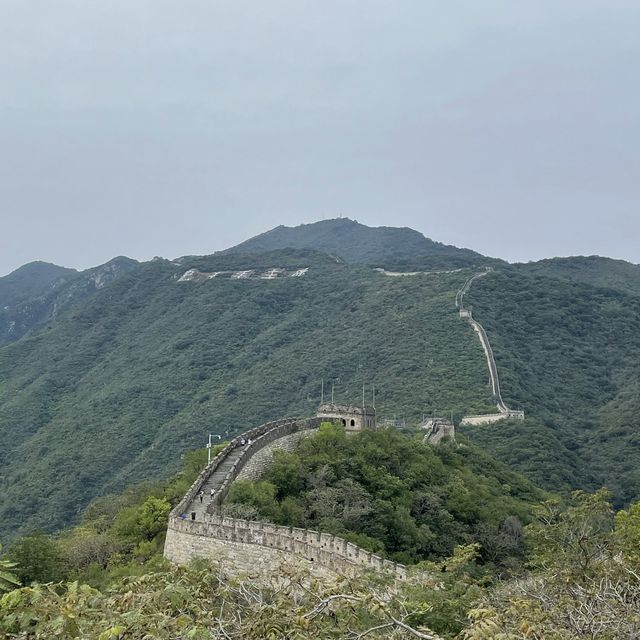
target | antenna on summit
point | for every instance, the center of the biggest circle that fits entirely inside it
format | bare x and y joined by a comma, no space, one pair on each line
322,391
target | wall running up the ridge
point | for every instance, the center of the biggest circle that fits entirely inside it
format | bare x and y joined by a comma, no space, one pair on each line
504,410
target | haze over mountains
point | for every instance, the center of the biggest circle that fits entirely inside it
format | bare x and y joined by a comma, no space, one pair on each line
107,376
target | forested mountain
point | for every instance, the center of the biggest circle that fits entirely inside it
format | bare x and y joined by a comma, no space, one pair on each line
594,270
116,371
37,292
134,374
354,242
30,281
569,352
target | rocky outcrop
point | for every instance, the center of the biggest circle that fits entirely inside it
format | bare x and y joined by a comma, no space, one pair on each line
62,293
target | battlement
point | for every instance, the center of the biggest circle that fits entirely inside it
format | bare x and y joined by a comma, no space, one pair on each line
248,546
322,549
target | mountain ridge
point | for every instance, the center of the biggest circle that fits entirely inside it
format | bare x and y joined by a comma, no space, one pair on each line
112,379
354,242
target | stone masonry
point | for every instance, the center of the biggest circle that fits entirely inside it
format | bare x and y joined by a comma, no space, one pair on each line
198,530
262,459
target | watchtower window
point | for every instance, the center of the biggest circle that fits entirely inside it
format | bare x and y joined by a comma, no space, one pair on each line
344,422
353,422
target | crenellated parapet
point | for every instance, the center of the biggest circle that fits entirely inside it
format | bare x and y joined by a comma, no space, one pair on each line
198,529
217,536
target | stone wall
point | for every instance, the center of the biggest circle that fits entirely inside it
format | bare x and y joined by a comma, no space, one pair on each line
260,437
262,459
253,434
246,544
237,558
505,412
352,418
488,418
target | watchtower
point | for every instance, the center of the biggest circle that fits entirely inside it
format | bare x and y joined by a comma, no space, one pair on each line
352,418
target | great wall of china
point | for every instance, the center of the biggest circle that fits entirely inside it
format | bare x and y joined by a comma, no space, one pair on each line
503,410
198,529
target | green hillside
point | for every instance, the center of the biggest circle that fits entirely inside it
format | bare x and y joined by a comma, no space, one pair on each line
119,385
355,243
29,281
593,270
406,499
38,292
569,353
392,494
118,370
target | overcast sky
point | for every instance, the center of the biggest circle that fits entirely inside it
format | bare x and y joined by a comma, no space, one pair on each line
171,127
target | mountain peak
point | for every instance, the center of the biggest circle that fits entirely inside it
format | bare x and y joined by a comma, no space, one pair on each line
30,280
353,241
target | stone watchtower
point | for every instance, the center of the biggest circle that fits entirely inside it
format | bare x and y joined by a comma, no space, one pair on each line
353,418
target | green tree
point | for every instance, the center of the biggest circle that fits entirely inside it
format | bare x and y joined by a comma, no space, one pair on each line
585,583
143,522
39,558
8,579
576,540
627,527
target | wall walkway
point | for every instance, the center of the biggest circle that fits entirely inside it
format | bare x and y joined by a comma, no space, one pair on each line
199,529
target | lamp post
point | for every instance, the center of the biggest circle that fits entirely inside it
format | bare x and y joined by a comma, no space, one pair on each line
211,435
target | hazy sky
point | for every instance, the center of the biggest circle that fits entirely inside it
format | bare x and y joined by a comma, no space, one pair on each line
157,127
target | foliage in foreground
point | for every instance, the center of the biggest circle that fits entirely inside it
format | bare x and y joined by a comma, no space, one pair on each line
107,579
586,583
201,602
8,579
120,535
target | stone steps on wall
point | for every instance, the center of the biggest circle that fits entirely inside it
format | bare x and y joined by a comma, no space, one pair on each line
246,544
214,482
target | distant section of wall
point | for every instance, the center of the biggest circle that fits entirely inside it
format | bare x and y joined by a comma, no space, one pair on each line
488,418
505,412
437,429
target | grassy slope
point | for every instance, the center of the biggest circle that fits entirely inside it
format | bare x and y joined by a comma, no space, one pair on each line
115,390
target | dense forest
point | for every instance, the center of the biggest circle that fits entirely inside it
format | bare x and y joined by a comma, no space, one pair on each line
355,243
118,386
567,352
394,495
115,372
